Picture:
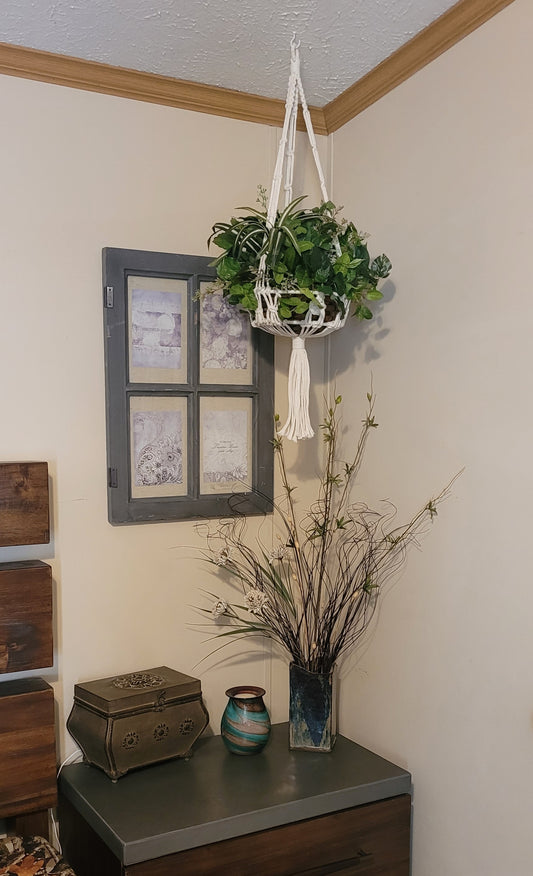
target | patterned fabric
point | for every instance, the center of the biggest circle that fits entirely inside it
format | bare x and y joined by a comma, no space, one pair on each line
31,856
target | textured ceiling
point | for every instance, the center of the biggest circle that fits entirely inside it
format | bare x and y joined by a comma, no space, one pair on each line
237,44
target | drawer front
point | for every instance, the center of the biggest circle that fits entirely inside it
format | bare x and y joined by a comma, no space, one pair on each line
371,840
27,746
24,503
26,626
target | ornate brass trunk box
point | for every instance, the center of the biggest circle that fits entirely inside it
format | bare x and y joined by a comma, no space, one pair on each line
130,721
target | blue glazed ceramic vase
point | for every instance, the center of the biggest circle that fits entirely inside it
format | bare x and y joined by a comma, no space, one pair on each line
312,709
245,725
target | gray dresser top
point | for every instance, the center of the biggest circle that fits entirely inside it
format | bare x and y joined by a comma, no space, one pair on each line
216,795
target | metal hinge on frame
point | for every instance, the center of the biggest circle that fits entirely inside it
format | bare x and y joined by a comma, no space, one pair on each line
112,477
109,295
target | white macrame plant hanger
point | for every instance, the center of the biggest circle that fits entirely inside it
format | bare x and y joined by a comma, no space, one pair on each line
266,316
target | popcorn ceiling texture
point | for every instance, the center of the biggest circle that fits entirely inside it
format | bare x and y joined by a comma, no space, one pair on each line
238,44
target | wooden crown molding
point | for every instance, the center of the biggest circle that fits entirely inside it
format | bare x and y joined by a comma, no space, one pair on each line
434,40
121,82
458,22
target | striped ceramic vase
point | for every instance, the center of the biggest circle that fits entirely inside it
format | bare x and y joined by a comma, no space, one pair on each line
245,725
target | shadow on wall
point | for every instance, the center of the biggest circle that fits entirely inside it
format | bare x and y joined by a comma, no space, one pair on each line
359,341
364,336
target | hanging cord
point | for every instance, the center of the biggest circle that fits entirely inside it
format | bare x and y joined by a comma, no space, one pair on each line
298,424
72,758
288,137
286,145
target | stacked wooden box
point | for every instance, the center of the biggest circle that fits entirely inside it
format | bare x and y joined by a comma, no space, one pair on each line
27,726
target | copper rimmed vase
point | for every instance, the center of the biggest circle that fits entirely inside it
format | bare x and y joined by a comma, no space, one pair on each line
312,709
245,725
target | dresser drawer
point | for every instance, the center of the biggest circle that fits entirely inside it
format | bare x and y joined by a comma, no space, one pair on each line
370,840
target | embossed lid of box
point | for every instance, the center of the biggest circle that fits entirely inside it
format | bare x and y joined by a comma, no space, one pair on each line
137,690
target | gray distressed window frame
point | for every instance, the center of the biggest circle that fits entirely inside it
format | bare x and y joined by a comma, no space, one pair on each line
118,265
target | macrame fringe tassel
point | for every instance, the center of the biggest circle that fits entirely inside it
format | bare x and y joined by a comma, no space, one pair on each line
298,424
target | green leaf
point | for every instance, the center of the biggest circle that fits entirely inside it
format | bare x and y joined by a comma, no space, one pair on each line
322,275
289,257
286,230
302,277
260,213
249,301
228,268
318,259
225,240
381,266
308,294
374,295
362,312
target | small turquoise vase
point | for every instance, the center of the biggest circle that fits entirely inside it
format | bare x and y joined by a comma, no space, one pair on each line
312,709
245,725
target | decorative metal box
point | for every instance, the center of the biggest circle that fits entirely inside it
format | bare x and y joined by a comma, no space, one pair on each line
130,721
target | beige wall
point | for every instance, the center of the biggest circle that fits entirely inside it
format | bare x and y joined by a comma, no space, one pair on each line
440,171
82,171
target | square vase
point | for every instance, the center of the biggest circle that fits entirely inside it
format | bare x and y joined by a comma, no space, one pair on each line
312,709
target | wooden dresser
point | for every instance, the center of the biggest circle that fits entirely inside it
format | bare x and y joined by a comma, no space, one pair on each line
275,814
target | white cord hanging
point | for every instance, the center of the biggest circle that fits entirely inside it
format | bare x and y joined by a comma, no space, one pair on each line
317,321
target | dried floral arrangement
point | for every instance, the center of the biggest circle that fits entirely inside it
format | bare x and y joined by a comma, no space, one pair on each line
316,591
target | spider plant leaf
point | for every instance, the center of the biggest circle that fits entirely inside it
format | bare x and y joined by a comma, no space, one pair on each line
260,213
287,231
273,245
290,208
249,238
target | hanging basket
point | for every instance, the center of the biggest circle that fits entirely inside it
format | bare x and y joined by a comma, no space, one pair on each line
321,319
325,265
318,320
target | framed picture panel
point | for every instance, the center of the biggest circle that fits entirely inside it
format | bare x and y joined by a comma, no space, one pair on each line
189,393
